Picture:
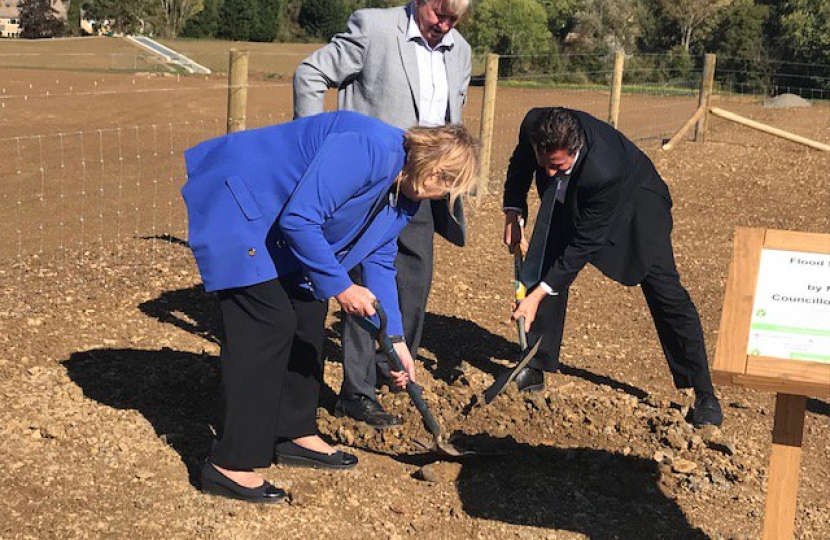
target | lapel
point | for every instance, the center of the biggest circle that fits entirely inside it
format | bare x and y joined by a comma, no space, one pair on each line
570,195
453,68
409,60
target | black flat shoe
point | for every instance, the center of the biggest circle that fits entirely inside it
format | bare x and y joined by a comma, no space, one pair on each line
292,454
706,411
530,379
216,483
366,410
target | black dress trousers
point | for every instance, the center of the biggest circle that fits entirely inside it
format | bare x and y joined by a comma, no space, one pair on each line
675,318
271,367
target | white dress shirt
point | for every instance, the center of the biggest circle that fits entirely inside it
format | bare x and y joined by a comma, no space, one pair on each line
432,77
561,190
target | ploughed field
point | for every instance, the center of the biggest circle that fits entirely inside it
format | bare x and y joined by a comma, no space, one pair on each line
108,371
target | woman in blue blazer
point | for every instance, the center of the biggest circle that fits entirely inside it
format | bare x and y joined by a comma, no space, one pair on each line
277,218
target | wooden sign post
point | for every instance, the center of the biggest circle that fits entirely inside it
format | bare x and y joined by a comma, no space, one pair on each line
775,335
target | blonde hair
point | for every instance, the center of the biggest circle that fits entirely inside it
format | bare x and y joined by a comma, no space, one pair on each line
450,149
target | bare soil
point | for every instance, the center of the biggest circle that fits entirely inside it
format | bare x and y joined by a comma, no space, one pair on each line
108,358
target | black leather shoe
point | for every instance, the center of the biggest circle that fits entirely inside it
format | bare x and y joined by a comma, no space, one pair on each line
366,410
216,483
706,411
530,379
292,454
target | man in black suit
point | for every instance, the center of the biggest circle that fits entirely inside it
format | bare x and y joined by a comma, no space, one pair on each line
609,208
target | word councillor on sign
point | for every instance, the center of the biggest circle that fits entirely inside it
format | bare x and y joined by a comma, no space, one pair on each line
791,312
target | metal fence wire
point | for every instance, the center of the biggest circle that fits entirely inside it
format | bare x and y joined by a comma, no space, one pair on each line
91,146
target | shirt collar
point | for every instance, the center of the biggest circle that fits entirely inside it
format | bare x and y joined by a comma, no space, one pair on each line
576,158
414,33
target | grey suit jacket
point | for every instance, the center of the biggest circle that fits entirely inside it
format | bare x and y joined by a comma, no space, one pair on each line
375,70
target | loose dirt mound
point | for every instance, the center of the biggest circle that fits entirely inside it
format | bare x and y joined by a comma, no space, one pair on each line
786,101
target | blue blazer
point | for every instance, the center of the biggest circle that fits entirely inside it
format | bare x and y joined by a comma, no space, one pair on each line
299,198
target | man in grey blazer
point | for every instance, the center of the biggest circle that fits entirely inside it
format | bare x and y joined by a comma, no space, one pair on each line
405,66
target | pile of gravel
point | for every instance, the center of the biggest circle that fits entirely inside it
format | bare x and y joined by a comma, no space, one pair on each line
785,101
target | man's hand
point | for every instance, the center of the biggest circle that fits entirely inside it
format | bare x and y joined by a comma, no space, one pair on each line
400,377
528,307
358,301
513,231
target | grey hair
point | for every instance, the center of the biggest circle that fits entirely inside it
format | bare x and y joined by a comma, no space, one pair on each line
458,7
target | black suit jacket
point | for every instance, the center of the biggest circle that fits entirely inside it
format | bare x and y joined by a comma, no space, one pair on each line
617,211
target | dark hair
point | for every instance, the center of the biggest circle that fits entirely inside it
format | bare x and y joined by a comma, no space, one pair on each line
557,129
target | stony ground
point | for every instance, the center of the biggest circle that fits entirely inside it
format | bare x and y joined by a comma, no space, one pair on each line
108,379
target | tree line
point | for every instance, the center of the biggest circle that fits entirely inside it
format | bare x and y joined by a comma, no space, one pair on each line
565,36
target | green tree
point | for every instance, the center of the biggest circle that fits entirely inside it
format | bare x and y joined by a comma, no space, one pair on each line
799,31
321,19
127,17
517,29
562,16
694,18
609,25
268,21
739,42
238,19
377,4
806,30
38,19
206,23
658,33
73,18
170,16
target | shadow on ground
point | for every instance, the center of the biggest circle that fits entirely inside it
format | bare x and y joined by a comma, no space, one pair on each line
177,392
602,495
818,406
451,339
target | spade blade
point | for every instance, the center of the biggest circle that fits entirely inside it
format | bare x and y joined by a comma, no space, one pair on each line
505,377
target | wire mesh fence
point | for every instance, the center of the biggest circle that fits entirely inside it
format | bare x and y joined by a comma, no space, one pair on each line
91,154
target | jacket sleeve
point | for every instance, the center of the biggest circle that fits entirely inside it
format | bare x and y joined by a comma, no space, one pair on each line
379,277
330,66
341,168
521,169
590,232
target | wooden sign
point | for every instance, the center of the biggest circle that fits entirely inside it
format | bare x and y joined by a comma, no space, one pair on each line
775,325
775,335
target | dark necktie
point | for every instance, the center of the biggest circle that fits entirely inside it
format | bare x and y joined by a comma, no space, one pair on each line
532,269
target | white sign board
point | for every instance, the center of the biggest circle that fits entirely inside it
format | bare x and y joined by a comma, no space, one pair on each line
791,313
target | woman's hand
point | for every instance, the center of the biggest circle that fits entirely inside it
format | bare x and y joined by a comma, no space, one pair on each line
358,301
400,377
527,308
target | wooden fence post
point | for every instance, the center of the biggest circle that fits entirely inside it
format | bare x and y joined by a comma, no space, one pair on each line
237,90
706,83
488,114
616,89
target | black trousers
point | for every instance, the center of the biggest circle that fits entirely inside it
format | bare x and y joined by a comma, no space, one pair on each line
414,279
272,369
675,318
